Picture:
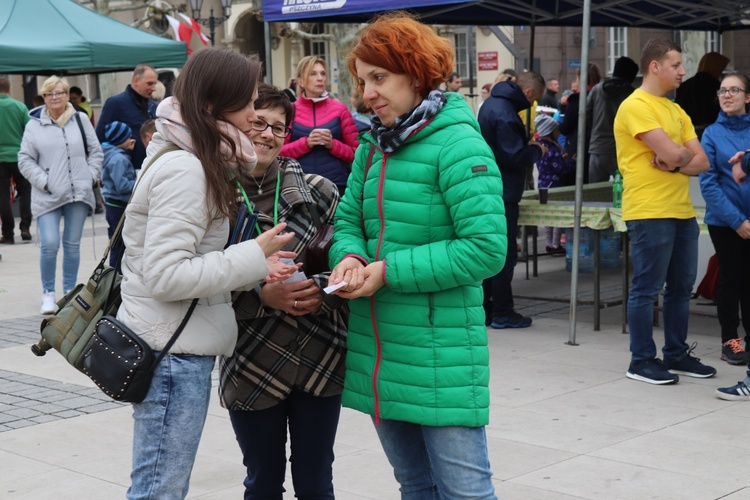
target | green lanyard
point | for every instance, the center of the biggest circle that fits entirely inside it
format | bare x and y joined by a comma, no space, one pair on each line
251,207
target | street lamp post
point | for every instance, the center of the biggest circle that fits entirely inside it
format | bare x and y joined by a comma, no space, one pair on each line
212,22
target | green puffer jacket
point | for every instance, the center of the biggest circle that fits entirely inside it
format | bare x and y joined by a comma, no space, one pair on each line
433,210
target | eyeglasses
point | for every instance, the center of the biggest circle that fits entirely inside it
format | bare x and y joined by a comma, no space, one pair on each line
278,130
55,94
731,91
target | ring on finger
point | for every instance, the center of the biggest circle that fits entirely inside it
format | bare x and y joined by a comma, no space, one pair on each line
295,304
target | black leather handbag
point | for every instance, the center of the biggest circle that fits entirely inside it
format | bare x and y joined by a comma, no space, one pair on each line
121,363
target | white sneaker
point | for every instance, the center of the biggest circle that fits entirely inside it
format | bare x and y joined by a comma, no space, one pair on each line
48,303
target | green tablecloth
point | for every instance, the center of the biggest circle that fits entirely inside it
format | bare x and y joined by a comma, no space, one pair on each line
594,215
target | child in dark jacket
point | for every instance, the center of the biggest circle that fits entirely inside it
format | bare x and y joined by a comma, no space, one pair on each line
118,179
552,168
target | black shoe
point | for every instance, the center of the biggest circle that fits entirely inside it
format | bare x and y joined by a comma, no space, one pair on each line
689,365
513,320
25,235
7,240
733,353
651,371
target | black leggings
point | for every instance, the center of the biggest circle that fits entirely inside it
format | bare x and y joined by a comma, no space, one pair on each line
733,291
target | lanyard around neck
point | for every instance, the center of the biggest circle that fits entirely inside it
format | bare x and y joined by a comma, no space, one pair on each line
251,207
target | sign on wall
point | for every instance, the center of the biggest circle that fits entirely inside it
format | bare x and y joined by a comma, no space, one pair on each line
487,61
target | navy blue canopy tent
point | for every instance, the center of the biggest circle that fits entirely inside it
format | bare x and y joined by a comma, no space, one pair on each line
706,15
710,15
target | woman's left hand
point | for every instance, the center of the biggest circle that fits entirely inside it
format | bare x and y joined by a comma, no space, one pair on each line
373,282
738,173
744,230
279,271
327,139
296,299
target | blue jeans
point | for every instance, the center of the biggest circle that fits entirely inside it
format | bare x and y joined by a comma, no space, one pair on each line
262,438
48,226
662,250
168,427
437,462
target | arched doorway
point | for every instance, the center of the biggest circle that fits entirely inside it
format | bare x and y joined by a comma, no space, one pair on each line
250,37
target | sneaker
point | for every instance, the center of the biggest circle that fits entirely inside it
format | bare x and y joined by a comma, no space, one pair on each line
48,303
739,392
733,353
7,240
25,235
690,365
651,371
513,320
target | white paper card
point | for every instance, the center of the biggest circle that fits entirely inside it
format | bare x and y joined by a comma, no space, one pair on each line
335,287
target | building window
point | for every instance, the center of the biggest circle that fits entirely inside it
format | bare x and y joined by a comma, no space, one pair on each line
713,41
617,46
464,57
318,48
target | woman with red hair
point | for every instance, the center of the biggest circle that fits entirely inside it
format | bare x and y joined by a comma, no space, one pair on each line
420,226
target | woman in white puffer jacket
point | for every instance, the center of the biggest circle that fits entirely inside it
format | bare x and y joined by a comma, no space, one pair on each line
175,233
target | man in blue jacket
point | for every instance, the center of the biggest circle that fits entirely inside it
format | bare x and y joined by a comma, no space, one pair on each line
505,133
132,107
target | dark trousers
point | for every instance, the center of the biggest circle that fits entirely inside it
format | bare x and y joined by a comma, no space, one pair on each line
733,290
498,294
10,171
312,431
113,214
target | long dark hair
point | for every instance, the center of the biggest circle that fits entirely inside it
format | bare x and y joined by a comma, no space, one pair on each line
212,83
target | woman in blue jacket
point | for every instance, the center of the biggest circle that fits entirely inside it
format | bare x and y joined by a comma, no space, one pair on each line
727,213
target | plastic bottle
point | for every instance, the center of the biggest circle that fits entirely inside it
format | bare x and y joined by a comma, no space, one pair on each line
617,190
610,254
585,250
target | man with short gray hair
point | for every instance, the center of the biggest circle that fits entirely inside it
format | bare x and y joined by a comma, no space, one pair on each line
132,107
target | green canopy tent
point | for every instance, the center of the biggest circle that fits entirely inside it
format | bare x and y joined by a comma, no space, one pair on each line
46,37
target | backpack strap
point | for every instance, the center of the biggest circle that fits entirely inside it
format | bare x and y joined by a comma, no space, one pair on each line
83,133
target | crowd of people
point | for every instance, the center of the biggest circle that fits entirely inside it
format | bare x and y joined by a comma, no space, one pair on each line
423,249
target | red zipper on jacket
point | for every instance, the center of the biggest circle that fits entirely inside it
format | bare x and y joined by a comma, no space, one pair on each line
379,350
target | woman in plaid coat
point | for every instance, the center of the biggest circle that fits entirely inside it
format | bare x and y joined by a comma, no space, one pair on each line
288,365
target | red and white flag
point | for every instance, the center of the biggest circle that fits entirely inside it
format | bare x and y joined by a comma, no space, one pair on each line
182,32
196,27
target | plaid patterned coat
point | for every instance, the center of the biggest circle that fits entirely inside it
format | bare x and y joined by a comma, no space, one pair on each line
277,352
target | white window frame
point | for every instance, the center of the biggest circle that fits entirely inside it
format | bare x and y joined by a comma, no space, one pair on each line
465,55
319,48
617,46
713,41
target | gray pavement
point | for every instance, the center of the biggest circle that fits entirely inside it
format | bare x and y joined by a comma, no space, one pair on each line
565,422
